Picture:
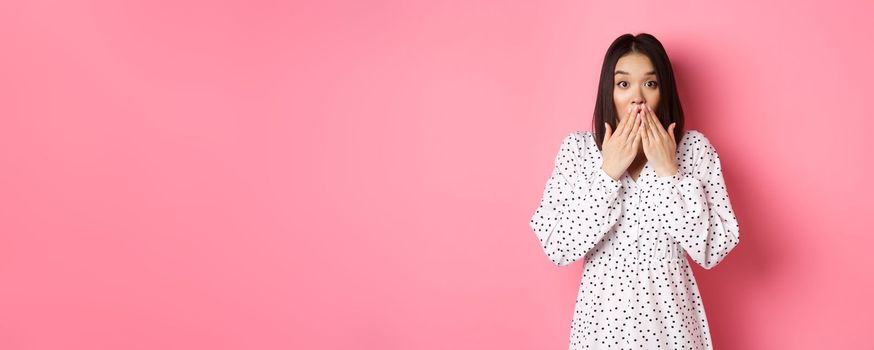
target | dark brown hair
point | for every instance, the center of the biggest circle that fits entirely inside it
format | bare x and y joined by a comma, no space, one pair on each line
669,109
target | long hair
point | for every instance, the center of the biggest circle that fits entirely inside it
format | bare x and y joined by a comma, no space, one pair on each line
669,109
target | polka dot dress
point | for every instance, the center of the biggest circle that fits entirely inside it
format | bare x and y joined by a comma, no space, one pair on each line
637,289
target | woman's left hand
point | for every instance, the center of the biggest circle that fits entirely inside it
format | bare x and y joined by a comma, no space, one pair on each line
658,145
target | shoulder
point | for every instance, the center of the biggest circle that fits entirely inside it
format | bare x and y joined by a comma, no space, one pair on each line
583,140
575,141
694,139
694,136
576,136
697,151
574,146
575,155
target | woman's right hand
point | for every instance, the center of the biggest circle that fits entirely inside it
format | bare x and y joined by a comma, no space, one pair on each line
620,148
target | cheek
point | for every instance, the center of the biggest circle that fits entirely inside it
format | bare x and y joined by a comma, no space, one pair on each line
621,106
622,99
619,101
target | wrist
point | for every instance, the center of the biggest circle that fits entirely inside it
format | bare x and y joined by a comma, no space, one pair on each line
610,173
668,172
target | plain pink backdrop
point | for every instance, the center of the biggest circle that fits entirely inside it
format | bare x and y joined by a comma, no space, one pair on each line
360,174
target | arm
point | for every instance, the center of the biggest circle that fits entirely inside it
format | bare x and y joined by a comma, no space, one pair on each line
579,205
694,208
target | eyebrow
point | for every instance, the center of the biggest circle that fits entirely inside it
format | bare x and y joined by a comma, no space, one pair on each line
626,73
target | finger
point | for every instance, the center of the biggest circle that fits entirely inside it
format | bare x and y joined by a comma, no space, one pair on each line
650,131
644,140
651,125
618,129
642,128
637,115
638,121
622,129
632,129
637,135
647,130
660,130
607,132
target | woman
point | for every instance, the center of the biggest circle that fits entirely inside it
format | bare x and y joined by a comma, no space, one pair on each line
634,197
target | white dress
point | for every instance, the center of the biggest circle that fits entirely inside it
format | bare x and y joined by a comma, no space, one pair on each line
637,289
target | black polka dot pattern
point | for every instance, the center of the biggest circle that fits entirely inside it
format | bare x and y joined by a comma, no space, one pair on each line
637,289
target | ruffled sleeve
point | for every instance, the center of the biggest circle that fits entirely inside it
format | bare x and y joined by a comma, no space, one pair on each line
578,206
694,208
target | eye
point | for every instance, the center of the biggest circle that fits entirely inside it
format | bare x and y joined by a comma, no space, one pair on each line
654,83
620,83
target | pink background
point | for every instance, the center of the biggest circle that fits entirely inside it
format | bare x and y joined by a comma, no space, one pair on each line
334,175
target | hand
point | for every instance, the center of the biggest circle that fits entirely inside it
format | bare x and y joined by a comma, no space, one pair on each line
620,149
659,145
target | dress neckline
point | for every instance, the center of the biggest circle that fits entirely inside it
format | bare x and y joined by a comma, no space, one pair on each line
640,177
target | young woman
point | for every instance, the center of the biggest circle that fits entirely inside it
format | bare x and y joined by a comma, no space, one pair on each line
635,196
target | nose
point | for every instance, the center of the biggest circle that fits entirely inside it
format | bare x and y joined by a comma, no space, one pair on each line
637,98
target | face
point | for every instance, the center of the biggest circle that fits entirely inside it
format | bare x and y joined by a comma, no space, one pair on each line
635,83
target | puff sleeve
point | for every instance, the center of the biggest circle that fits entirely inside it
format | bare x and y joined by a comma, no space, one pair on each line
578,206
694,208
